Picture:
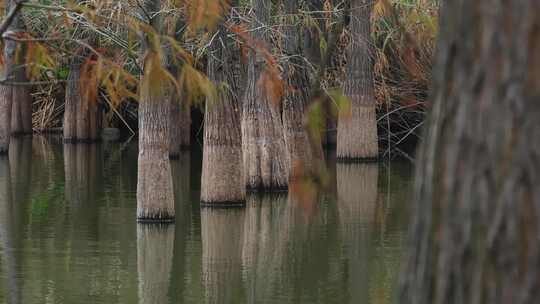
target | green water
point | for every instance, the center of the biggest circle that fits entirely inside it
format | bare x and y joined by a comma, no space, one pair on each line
68,234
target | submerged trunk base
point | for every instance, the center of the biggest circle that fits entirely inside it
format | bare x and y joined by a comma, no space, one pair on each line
357,135
221,182
155,197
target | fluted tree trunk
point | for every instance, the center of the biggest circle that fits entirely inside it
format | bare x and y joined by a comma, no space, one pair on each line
266,163
180,127
10,73
221,181
155,197
357,126
82,114
180,111
474,234
21,108
296,97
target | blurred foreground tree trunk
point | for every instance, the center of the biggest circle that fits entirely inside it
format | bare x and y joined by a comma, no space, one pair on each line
155,196
221,181
357,126
474,237
266,164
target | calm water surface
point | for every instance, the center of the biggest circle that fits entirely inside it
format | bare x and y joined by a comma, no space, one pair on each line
68,234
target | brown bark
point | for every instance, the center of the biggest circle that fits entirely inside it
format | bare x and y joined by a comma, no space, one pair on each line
221,233
357,127
82,116
6,91
180,128
73,96
296,98
155,251
474,234
155,196
222,170
21,115
313,33
266,163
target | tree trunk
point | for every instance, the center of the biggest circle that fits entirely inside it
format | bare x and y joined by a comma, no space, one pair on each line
21,115
474,237
266,163
180,128
155,196
6,94
357,127
6,91
221,233
296,97
221,181
73,97
155,252
313,33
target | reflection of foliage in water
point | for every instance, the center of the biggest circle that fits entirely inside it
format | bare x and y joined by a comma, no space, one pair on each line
40,202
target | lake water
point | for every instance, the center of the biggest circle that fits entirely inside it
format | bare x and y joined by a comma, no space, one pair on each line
68,234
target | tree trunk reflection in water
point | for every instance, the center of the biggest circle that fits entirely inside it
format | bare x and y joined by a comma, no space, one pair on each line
222,233
7,238
20,159
155,250
357,202
262,247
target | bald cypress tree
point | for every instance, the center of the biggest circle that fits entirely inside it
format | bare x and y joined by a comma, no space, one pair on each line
474,237
266,163
155,197
357,127
221,181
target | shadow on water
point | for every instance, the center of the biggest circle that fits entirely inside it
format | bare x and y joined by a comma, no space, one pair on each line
68,234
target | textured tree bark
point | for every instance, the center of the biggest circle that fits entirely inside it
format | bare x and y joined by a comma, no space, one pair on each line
6,91
357,138
474,235
296,98
73,97
180,128
266,163
155,251
312,34
221,182
6,94
221,233
82,116
155,196
21,116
